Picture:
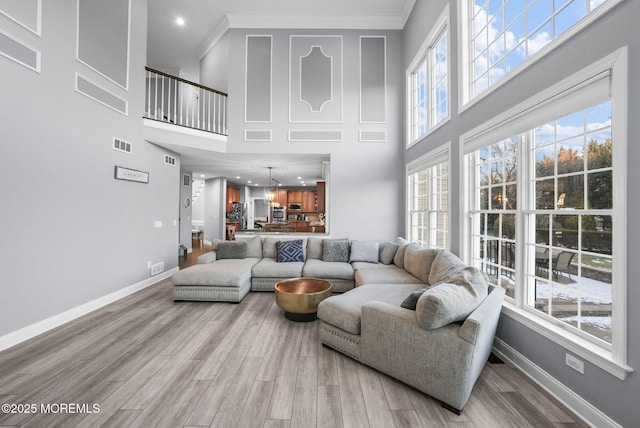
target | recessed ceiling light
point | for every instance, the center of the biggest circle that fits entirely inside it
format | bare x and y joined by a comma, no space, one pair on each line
201,175
249,181
180,21
237,177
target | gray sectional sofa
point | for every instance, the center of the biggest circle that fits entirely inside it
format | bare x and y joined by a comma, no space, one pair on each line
419,315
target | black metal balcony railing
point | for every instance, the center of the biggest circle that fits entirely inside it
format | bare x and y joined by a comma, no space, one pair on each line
178,101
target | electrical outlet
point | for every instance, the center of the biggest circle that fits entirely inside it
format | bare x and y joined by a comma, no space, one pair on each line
574,363
157,224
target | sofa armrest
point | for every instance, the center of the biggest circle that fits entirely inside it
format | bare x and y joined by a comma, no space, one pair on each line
483,320
205,258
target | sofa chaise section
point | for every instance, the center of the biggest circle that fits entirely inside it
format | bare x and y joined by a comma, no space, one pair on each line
227,280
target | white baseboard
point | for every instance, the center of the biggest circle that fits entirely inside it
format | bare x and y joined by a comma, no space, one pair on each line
578,405
33,330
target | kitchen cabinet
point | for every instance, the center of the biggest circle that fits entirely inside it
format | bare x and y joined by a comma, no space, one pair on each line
309,201
282,198
321,191
294,197
233,195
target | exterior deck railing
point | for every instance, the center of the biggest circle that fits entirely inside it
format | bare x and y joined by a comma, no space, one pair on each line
177,101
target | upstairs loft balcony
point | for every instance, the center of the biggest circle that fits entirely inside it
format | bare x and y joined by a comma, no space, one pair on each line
175,101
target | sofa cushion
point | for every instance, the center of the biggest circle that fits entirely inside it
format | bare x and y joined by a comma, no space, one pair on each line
364,251
335,250
231,250
319,269
385,276
444,266
254,246
270,251
418,260
344,310
289,251
388,251
453,300
221,273
269,268
314,248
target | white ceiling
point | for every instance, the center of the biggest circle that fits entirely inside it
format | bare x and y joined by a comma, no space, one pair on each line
171,47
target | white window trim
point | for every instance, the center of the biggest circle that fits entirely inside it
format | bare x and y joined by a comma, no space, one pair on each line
436,156
613,361
464,70
441,26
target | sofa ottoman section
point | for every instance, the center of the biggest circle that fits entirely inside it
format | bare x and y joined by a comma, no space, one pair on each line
267,272
227,280
340,274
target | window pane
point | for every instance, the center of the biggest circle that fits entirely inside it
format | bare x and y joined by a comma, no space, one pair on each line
571,156
545,194
571,192
599,190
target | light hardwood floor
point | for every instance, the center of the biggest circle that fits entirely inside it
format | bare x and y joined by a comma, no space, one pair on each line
147,361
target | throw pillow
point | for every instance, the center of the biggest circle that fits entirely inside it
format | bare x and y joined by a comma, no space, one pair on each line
411,300
453,300
364,251
388,252
289,251
335,250
254,246
231,250
445,265
398,258
314,248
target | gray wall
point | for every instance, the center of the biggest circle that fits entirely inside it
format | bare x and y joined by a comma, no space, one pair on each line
365,197
71,233
617,399
215,195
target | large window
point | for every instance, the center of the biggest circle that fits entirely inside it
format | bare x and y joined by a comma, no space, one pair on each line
428,195
502,34
428,82
547,214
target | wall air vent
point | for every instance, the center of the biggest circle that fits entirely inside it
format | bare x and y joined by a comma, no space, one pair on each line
121,145
186,180
169,160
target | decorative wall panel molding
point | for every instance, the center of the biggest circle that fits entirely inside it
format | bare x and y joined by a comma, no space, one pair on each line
373,136
27,13
315,79
314,135
104,29
20,52
373,79
257,135
101,95
258,82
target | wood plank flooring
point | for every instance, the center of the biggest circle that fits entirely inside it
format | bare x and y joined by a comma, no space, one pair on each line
147,361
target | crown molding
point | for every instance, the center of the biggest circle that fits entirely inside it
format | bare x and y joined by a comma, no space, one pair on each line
316,22
214,36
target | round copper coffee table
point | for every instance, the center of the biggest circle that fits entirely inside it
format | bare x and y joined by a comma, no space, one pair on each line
299,297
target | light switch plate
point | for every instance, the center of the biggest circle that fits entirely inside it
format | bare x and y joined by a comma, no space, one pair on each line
575,363
157,224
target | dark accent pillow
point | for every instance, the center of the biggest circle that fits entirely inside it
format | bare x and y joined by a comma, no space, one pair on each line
335,250
289,251
231,250
412,299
